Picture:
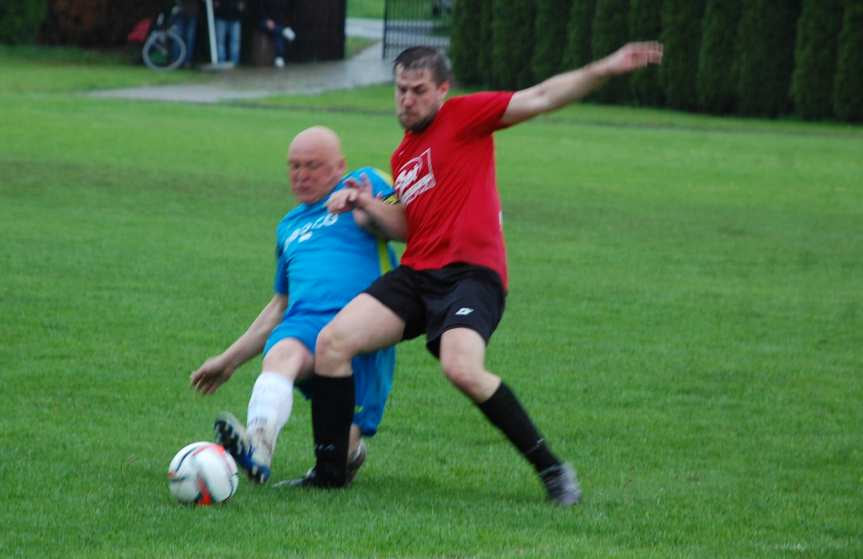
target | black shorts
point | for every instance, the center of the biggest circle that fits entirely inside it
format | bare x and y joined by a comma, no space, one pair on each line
434,301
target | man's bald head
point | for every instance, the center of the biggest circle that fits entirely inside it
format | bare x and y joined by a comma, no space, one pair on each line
315,163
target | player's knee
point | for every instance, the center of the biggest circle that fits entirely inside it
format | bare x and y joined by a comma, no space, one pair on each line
332,350
461,372
288,358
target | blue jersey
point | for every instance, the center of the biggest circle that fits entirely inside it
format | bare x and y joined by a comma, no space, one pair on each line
324,260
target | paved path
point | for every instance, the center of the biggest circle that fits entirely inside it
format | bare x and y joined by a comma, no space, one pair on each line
366,68
368,28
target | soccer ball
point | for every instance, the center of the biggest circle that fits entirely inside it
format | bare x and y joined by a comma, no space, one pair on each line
203,473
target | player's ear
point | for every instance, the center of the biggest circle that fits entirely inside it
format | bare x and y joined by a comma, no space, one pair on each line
443,88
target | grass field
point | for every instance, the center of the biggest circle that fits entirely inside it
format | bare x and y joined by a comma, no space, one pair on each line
685,323
366,8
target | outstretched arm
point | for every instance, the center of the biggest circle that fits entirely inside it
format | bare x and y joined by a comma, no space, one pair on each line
562,89
217,370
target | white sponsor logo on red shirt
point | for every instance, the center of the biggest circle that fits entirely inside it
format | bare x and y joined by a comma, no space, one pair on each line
415,177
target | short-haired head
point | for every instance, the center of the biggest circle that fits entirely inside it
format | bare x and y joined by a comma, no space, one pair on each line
422,79
425,58
315,163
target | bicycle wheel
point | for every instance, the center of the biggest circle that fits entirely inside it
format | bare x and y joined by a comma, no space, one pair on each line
164,50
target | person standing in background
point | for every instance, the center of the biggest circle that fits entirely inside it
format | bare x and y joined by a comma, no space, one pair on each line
186,26
229,15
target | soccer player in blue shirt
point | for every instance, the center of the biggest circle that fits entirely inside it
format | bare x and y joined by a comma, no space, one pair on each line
323,261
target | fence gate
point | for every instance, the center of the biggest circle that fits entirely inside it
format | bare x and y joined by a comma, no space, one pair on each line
409,23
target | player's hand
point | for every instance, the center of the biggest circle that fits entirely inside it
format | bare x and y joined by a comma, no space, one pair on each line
211,375
355,195
342,201
363,186
633,56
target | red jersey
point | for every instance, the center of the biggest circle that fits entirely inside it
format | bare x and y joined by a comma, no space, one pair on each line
445,179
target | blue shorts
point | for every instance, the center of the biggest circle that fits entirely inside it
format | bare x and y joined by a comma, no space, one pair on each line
373,372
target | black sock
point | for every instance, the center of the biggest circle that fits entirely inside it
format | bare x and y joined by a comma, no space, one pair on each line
507,414
332,413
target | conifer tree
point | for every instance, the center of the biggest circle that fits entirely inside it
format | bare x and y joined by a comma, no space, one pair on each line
610,22
848,88
766,56
578,52
552,17
645,24
681,37
815,58
512,44
466,41
716,82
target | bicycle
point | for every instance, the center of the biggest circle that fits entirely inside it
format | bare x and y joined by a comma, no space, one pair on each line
164,49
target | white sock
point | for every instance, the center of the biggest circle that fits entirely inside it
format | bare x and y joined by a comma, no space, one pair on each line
270,405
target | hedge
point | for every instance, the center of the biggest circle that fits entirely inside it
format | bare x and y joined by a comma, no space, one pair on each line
512,44
645,24
815,58
486,31
766,56
609,33
716,82
848,87
751,57
681,37
19,24
466,41
577,52
552,17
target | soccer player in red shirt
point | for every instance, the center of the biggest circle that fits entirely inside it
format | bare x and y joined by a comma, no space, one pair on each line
452,281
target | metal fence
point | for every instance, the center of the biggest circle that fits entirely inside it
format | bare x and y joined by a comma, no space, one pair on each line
409,23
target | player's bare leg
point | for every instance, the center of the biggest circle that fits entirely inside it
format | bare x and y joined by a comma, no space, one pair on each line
462,358
270,406
364,325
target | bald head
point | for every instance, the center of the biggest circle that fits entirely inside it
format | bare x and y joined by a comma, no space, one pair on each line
316,163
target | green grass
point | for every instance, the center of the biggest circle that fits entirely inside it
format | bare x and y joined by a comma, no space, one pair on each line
366,8
354,45
685,324
37,70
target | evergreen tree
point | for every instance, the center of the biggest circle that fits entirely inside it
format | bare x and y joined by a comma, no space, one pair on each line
766,56
681,36
512,47
848,88
645,24
486,32
577,52
716,82
815,57
552,17
19,23
466,41
609,34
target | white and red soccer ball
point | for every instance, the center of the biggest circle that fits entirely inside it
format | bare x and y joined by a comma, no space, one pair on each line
203,473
